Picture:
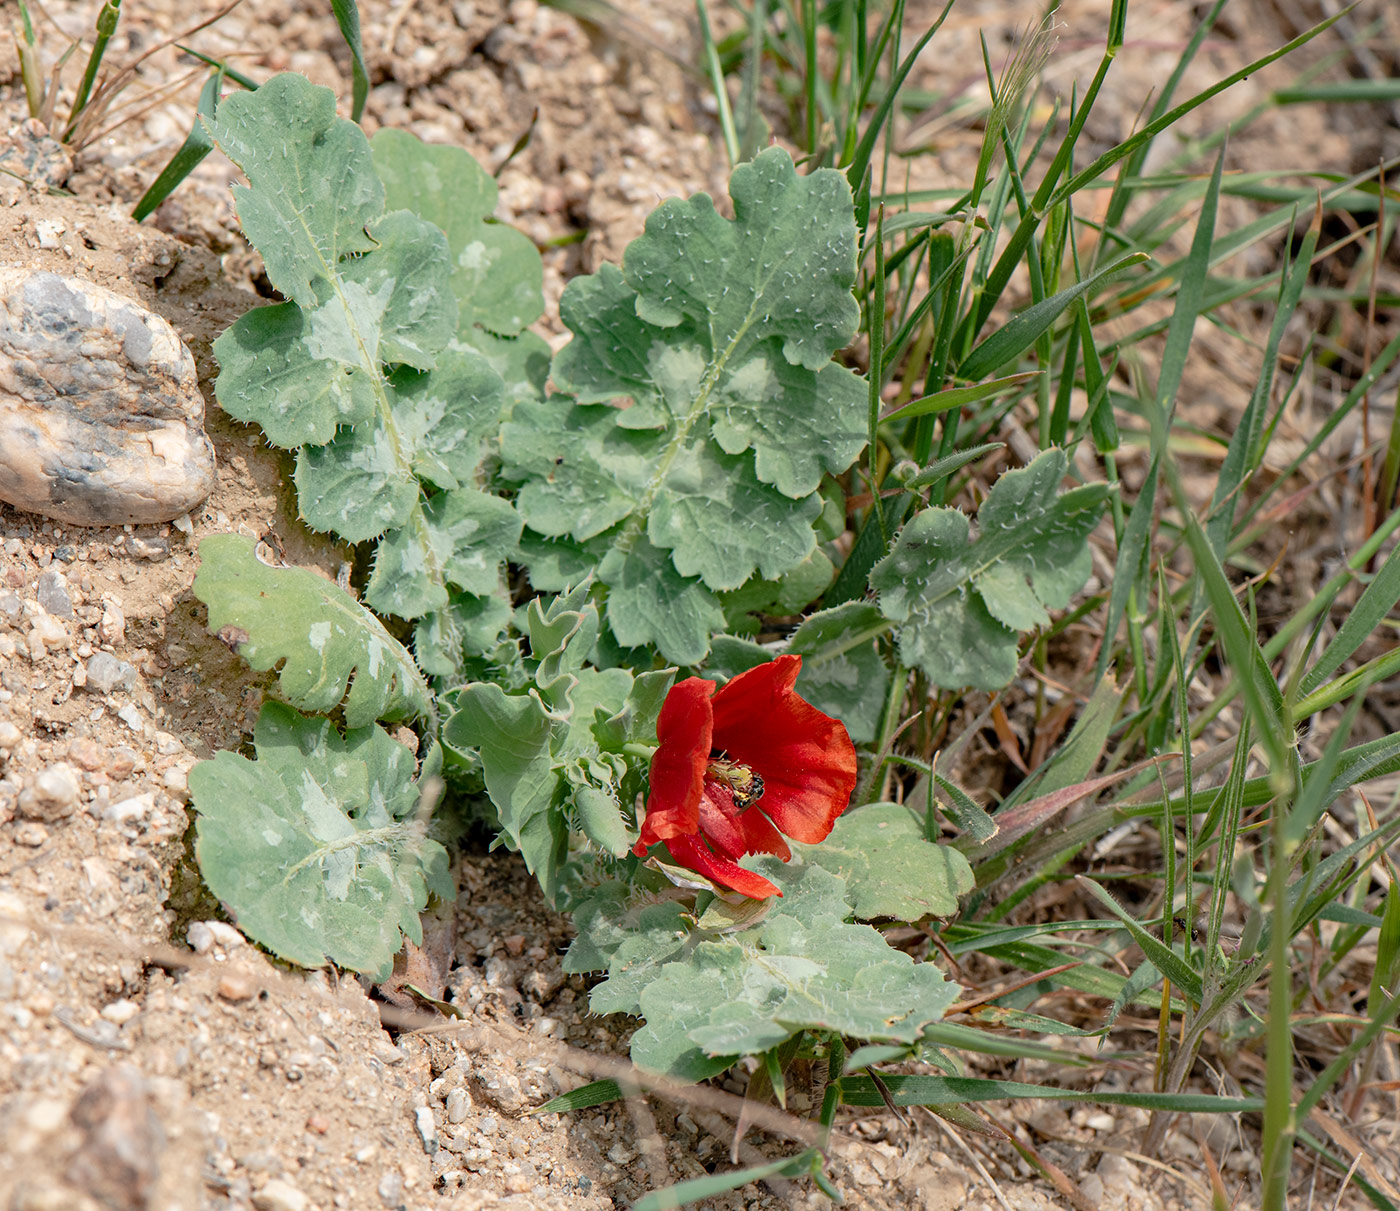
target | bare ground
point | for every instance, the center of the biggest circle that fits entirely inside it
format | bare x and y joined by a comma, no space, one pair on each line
149,1059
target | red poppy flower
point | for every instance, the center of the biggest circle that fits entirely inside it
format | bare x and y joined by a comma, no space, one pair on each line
740,766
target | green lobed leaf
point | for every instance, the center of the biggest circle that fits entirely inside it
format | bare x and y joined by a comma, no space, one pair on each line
497,273
843,673
649,602
465,535
890,868
958,604
803,967
536,747
316,847
325,637
368,288
468,626
705,407
360,370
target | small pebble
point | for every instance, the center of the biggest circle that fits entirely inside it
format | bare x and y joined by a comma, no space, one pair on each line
200,937
120,1012
10,606
459,1105
128,811
390,1190
224,934
52,593
278,1195
31,834
112,628
52,795
514,944
9,734
620,1154
427,1129
154,549
237,986
46,632
106,673
488,1125
121,764
131,717
318,1124
87,752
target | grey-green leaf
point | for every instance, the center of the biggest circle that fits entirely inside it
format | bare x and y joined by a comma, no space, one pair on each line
316,846
497,273
843,672
325,637
890,869
958,604
649,602
460,537
314,192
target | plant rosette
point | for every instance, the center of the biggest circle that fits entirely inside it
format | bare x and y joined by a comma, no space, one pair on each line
739,768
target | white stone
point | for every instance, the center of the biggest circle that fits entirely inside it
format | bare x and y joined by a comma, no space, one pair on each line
278,1195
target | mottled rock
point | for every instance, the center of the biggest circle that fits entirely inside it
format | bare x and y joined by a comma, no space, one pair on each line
30,152
112,628
101,420
118,1160
52,593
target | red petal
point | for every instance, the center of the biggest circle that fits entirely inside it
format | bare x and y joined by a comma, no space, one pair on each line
805,758
678,765
735,833
760,837
692,853
719,820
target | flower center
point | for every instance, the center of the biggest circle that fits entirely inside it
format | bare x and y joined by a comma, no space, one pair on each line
745,786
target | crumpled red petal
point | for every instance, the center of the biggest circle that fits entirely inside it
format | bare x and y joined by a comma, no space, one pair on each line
806,758
691,852
678,765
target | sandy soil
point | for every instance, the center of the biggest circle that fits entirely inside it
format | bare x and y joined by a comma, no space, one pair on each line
151,1059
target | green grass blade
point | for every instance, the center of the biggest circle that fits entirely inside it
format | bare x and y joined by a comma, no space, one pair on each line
347,16
717,85
940,469
1245,450
1361,622
940,1090
1009,342
1261,691
107,18
229,73
1165,960
1171,117
1345,92
192,151
958,397
698,1189
855,171
595,1093
1379,669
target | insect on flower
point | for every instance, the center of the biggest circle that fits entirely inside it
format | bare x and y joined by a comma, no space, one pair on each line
740,768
